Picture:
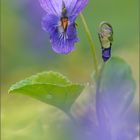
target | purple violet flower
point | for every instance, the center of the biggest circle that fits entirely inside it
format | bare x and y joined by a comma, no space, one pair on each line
59,22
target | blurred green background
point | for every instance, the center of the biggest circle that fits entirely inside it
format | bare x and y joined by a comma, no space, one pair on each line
26,51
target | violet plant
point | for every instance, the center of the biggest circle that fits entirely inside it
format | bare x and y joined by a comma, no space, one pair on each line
107,99
59,22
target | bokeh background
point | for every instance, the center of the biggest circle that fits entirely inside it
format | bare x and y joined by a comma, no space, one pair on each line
26,51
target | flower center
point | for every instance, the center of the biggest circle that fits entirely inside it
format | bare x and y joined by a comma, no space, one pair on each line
64,17
64,22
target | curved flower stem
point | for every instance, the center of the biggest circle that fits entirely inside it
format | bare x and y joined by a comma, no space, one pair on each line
91,44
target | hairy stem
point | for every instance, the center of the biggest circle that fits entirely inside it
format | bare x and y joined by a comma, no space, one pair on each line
90,40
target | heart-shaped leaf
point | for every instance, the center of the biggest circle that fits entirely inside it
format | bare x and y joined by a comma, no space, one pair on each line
115,92
51,88
115,88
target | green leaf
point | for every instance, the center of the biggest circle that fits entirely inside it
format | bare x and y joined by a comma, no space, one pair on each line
51,88
115,88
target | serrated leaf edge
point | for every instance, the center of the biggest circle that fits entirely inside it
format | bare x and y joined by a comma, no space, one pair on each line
80,85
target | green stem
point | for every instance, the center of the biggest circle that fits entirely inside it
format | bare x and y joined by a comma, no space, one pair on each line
91,44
